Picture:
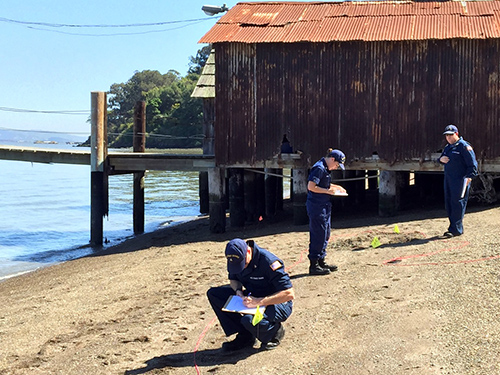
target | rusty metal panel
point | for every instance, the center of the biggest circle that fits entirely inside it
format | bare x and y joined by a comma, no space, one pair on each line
392,99
235,102
289,22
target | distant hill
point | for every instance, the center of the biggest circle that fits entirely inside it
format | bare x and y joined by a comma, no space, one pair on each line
30,137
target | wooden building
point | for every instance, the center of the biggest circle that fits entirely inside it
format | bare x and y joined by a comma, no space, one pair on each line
379,80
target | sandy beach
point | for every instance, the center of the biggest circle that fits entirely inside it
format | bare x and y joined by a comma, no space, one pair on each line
417,304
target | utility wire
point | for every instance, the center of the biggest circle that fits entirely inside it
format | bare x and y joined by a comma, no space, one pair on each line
43,131
116,34
166,136
19,110
48,24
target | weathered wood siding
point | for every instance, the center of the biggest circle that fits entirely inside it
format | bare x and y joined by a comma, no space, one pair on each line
389,98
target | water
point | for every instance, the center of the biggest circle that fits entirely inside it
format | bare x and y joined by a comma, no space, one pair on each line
45,211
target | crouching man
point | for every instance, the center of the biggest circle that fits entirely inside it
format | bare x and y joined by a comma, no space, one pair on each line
259,278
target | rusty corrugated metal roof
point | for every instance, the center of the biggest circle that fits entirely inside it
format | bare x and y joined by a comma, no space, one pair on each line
290,22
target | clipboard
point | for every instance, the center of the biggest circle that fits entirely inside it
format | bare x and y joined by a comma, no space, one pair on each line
235,304
340,194
464,188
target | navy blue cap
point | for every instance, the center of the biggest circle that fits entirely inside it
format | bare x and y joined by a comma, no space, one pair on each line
236,254
450,129
339,156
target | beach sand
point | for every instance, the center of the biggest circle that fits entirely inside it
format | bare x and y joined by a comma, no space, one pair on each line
417,304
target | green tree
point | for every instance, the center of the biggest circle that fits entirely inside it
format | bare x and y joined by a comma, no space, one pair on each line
122,99
196,63
173,118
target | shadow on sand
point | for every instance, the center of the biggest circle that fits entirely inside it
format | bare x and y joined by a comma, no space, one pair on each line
205,358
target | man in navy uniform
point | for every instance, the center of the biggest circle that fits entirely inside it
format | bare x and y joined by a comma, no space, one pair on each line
319,209
460,166
259,277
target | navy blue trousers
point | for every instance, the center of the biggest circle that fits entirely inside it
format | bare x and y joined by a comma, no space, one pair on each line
455,205
320,217
233,323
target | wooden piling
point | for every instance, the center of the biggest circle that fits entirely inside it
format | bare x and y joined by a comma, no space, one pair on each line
250,200
299,186
279,190
260,194
217,192
271,183
236,198
203,192
139,145
98,172
372,182
389,193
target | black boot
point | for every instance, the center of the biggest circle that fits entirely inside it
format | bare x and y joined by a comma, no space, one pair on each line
316,269
242,340
276,340
323,264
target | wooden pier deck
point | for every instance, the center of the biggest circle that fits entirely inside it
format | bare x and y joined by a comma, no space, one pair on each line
119,162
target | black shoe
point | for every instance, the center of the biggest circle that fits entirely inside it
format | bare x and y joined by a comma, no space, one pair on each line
275,341
316,269
241,341
323,264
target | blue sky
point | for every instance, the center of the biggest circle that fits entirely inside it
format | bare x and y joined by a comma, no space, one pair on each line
47,68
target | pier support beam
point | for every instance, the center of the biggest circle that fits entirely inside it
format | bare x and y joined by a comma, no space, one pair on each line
299,186
139,145
217,196
389,193
203,192
98,172
236,197
250,192
271,187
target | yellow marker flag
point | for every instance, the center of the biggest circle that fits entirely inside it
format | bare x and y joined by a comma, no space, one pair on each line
257,317
376,242
396,229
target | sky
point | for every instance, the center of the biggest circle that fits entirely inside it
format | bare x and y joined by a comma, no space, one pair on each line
48,68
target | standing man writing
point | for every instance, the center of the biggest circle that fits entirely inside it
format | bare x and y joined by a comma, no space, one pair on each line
319,209
259,278
460,166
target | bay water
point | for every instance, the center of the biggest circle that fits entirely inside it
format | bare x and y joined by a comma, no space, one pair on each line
45,211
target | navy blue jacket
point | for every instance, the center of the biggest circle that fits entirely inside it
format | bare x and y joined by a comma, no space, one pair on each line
264,275
462,162
320,175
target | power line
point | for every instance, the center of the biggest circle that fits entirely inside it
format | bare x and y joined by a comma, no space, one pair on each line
42,131
149,135
48,24
20,110
116,34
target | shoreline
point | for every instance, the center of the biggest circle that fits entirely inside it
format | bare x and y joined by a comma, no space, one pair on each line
21,267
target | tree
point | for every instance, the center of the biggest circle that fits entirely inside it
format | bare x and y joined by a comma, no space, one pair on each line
197,62
123,97
173,118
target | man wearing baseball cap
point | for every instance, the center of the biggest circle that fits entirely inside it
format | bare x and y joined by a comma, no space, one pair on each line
319,209
460,166
259,278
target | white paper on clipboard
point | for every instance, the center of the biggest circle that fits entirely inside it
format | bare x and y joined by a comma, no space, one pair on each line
464,188
340,194
235,304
